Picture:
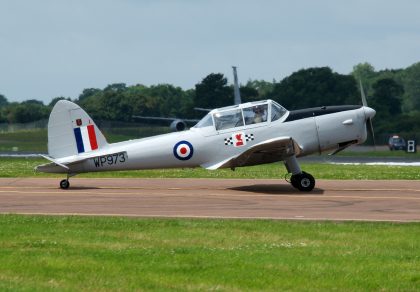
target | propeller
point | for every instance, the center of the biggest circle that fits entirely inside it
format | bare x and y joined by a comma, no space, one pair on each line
369,119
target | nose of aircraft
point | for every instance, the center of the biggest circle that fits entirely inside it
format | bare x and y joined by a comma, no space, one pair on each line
369,112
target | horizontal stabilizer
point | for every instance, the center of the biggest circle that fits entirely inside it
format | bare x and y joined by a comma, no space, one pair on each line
54,161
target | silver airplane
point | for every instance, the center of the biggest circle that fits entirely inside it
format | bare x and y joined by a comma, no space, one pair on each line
235,136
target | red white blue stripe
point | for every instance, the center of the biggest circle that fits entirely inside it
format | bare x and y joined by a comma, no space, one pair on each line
85,138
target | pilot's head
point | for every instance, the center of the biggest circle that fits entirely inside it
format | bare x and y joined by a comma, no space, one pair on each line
258,110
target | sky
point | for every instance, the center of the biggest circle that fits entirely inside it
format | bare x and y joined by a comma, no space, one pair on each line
51,48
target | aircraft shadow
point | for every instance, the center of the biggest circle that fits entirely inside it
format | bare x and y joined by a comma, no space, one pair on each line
276,190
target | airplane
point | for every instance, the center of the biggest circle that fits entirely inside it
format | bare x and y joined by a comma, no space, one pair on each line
240,135
178,124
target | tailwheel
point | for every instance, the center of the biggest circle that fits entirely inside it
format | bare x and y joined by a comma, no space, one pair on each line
303,181
64,184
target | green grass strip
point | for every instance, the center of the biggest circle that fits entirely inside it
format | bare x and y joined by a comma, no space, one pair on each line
23,167
41,253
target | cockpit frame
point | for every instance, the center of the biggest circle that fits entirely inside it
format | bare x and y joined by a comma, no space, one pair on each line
246,115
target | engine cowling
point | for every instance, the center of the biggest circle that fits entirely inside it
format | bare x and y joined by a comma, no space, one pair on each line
178,125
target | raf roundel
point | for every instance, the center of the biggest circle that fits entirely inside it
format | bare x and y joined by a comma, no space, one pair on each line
183,150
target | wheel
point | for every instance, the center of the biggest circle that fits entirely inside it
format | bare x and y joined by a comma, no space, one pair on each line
294,180
64,184
303,182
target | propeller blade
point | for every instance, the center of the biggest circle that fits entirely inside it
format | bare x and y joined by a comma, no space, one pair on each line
369,120
372,133
362,92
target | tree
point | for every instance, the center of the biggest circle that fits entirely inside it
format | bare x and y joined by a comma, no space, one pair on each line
3,101
387,96
27,111
117,87
263,87
3,112
135,101
170,99
88,92
315,87
56,99
248,93
104,104
33,102
410,79
213,92
364,72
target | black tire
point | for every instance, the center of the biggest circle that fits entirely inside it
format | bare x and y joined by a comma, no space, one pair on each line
64,184
294,180
305,182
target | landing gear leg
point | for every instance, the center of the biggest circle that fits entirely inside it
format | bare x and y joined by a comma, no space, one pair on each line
301,180
65,184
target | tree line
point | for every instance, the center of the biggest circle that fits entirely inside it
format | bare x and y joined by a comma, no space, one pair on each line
394,94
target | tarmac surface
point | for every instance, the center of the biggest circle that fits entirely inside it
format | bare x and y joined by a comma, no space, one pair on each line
378,200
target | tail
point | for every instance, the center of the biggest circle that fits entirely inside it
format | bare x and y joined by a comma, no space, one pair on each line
71,131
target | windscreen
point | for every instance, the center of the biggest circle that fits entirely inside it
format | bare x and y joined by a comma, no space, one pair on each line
228,119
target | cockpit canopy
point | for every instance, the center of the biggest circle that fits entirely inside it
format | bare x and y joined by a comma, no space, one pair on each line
243,115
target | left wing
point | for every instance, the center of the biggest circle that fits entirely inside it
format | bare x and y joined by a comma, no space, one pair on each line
265,152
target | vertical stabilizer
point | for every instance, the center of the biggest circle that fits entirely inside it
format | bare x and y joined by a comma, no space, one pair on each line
71,131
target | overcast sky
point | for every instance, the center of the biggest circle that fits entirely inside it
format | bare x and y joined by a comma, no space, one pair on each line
52,48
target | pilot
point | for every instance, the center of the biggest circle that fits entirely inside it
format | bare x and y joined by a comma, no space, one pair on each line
258,115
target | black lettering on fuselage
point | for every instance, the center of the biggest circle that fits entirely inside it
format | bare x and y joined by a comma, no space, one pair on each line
111,159
96,161
103,160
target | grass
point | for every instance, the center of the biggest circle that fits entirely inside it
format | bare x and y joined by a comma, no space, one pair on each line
23,167
30,140
107,253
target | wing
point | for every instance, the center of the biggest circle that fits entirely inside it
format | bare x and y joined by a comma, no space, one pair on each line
271,150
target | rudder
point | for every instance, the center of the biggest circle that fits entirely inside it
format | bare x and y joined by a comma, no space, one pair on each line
71,131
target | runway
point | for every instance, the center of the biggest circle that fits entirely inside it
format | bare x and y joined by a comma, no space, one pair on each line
214,198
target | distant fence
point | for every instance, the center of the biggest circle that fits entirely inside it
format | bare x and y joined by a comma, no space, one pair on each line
10,128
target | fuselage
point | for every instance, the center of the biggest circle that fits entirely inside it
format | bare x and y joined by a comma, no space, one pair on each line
315,130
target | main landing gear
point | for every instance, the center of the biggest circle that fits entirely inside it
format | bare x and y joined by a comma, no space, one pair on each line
65,184
301,180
